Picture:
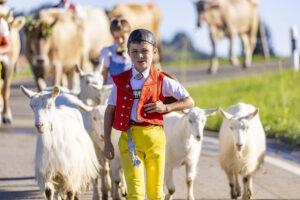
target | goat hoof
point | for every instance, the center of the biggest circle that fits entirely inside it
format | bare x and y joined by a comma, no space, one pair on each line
6,121
76,198
250,194
48,192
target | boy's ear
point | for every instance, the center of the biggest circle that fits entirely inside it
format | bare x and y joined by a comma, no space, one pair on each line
155,51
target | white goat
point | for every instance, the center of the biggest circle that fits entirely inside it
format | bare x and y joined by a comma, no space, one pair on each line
242,144
65,160
94,126
184,133
97,127
103,92
87,94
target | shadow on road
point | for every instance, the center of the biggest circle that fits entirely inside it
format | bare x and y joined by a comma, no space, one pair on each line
24,195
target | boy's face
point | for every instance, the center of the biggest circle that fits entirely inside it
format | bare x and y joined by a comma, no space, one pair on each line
141,55
120,38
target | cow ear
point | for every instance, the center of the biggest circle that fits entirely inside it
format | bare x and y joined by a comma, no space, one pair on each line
18,22
85,108
225,114
212,111
78,70
55,92
27,92
252,115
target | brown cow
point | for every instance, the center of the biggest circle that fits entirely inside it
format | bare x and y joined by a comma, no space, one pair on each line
53,46
229,18
145,16
8,63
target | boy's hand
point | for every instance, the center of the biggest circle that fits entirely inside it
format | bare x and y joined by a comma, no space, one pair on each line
158,107
109,151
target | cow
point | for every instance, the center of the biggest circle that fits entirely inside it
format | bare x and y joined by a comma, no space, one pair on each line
229,18
53,46
145,16
8,62
69,40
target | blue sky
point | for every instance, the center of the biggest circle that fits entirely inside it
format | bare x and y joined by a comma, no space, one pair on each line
180,15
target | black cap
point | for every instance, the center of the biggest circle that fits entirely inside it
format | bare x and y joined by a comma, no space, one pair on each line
142,35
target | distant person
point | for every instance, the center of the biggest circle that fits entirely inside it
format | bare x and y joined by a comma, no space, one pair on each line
5,43
116,59
68,5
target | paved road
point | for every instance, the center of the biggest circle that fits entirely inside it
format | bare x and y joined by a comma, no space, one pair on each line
277,179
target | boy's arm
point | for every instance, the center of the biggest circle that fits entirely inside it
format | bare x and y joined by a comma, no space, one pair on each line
108,123
179,105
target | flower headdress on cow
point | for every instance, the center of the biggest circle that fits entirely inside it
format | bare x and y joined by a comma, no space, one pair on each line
38,29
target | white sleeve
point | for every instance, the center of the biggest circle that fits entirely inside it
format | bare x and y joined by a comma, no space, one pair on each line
105,54
4,31
173,88
112,99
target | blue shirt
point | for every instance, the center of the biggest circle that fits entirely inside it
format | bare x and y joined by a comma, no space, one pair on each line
115,63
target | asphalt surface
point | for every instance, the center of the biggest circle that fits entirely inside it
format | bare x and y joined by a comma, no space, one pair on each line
279,178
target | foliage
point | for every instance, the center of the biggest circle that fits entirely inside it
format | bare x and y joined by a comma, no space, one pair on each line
276,95
36,28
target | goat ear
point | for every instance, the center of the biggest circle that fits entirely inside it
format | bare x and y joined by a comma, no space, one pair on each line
225,114
78,70
100,66
27,92
55,92
94,86
209,112
186,111
252,115
85,108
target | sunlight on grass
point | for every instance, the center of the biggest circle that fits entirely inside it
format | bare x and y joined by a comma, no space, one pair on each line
276,95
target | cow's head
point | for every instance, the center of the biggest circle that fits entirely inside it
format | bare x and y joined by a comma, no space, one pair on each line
43,106
239,128
38,41
196,120
203,9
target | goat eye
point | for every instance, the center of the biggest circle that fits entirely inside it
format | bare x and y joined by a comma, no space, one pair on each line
190,120
94,118
231,128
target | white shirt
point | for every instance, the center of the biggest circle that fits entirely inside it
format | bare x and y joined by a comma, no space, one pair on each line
170,87
4,30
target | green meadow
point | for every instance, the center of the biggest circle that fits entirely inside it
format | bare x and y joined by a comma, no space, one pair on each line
276,95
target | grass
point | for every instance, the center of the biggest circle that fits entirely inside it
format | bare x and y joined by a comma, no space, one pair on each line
276,95
23,72
197,63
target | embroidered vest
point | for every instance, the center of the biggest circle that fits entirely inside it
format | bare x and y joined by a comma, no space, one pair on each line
125,98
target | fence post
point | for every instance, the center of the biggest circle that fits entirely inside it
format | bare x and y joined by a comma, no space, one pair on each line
295,54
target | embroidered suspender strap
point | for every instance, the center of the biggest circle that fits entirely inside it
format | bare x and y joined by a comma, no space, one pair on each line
132,150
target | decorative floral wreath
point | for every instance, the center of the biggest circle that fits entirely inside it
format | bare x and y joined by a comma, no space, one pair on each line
37,29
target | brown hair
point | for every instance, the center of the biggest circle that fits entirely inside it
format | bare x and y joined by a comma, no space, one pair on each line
119,24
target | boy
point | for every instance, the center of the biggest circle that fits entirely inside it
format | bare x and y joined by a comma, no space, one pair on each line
135,107
116,59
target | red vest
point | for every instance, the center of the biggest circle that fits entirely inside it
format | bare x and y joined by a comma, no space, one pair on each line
125,99
2,39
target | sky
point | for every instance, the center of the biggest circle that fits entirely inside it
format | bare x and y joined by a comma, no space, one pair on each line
180,15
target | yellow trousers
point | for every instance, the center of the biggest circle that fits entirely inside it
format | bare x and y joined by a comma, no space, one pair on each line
150,145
